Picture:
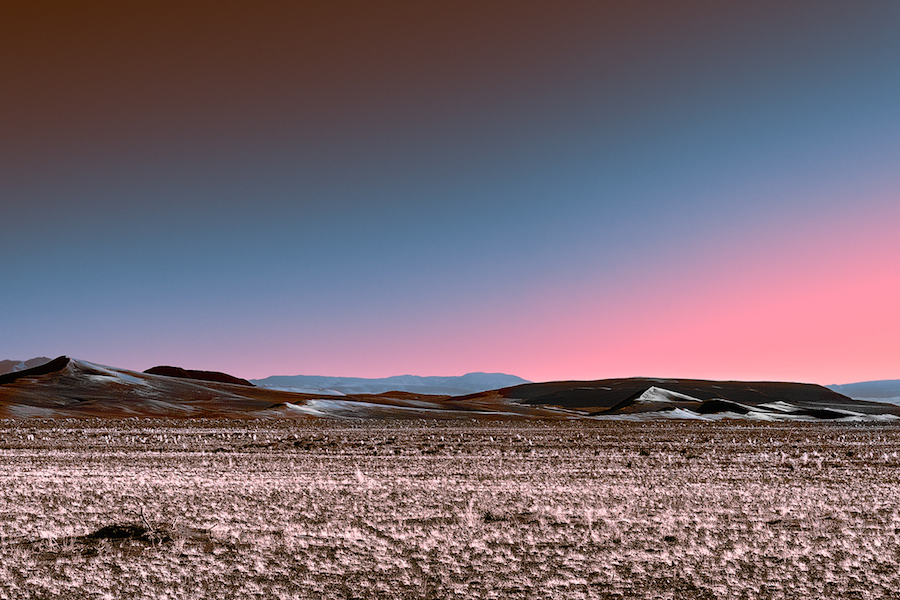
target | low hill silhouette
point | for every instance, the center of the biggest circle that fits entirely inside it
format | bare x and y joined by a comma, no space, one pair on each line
198,375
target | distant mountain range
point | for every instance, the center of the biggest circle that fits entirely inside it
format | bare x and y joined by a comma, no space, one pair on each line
442,386
65,387
887,390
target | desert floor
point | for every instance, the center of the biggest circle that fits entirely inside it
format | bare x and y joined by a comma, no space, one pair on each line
404,509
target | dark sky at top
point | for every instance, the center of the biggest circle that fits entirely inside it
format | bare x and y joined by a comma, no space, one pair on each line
579,190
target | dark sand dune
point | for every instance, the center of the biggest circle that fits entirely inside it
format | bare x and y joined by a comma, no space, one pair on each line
608,392
198,375
644,395
67,387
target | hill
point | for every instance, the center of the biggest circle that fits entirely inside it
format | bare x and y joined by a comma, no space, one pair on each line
640,397
197,375
64,387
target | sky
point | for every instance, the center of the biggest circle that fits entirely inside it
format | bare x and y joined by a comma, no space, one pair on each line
575,190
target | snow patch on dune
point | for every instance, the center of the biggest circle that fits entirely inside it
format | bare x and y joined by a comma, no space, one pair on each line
326,407
655,394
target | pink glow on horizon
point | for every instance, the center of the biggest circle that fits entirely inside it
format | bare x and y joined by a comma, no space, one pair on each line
833,323
819,307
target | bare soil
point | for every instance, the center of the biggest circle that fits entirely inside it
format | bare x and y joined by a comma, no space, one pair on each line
175,508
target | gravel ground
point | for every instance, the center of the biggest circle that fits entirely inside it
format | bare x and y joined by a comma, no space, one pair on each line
409,509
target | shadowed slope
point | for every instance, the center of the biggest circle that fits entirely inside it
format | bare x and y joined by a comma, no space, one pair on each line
8,366
52,366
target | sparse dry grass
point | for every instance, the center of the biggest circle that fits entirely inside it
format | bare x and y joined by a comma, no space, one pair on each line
413,510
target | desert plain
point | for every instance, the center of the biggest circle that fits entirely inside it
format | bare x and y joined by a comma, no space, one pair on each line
284,509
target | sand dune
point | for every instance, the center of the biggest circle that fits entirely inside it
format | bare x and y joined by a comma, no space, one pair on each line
197,375
764,400
65,387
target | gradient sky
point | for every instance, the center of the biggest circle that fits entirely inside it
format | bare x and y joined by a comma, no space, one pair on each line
573,190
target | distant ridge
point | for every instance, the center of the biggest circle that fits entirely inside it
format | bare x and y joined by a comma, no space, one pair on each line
450,386
885,390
